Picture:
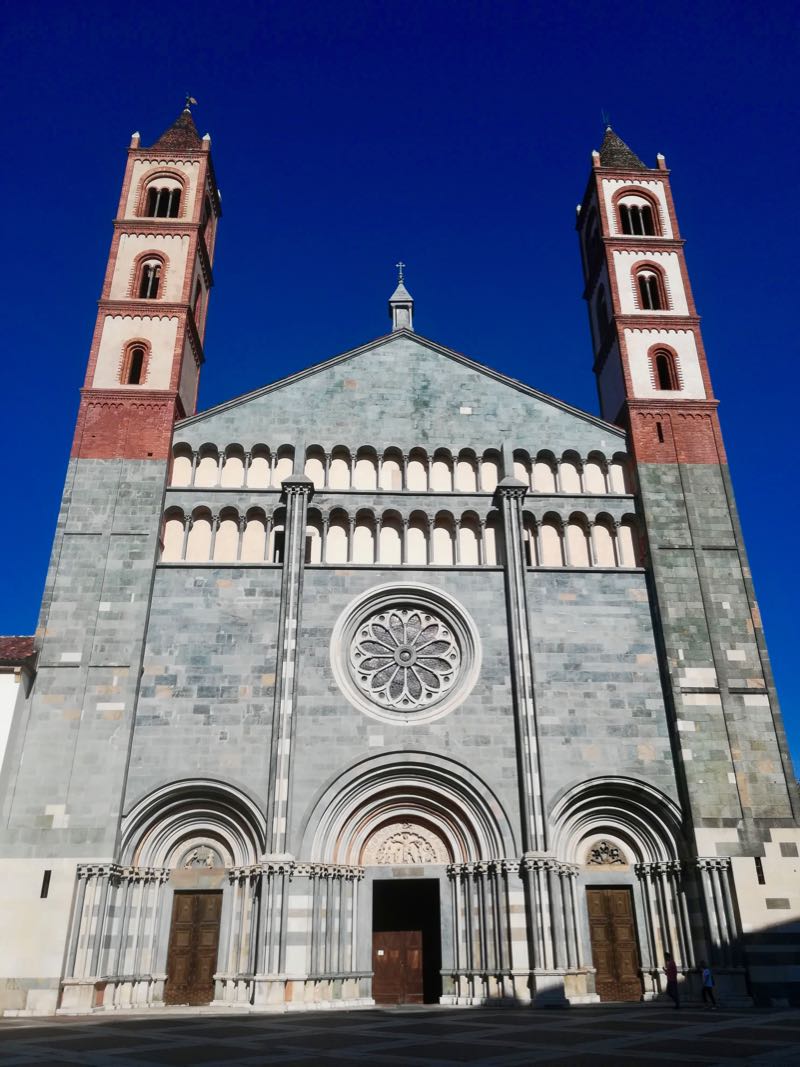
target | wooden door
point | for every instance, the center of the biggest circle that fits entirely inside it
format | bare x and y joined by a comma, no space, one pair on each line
193,944
615,952
397,967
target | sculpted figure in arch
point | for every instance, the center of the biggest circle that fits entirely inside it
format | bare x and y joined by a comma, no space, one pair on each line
405,844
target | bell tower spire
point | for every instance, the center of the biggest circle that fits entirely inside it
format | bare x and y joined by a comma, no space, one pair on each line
147,348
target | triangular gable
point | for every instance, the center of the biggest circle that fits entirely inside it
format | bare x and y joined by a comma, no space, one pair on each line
403,390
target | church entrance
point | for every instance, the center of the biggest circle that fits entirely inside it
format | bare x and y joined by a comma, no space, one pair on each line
193,945
406,941
615,952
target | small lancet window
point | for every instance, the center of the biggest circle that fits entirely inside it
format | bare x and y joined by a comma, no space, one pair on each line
650,298
666,377
150,281
637,219
135,366
163,203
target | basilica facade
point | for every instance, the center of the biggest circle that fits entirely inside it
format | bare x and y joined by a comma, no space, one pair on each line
396,680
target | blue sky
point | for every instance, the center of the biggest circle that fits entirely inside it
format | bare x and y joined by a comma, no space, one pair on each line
455,136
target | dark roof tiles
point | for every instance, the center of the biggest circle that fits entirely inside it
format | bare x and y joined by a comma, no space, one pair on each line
182,136
615,153
15,650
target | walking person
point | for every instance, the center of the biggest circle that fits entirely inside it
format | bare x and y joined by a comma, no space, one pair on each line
671,971
708,985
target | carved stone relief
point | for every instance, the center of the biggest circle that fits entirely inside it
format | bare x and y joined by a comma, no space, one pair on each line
403,844
606,854
201,856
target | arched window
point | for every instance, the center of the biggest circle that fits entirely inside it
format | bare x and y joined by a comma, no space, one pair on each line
172,538
232,476
466,480
636,218
442,472
650,286
364,539
664,370
544,473
490,471
284,465
181,465
444,540
258,471
149,280
570,475
550,543
365,473
577,541
417,475
226,542
315,466
417,541
313,546
163,202
336,543
339,473
207,473
391,539
254,538
134,365
392,470
198,544
469,535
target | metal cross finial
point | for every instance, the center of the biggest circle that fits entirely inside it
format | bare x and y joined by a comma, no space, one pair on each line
606,119
400,266
188,103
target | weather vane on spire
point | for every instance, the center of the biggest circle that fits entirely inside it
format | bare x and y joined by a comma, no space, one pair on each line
400,267
606,119
188,104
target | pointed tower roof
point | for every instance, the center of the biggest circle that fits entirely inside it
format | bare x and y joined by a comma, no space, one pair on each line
615,153
401,304
182,135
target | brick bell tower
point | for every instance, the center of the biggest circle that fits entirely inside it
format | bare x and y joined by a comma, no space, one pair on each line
62,804
739,789
147,347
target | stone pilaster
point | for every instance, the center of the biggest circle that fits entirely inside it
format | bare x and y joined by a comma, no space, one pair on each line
297,491
509,496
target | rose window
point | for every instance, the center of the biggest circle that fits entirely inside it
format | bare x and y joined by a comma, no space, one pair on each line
405,658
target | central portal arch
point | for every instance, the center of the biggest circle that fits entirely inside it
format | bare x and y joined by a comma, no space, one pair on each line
452,813
420,827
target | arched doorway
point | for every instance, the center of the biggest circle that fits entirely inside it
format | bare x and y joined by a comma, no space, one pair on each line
173,920
431,840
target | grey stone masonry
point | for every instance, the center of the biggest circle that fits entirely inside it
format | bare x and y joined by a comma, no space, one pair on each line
64,797
727,728
389,393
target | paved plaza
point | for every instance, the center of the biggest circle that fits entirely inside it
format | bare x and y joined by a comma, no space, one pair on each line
490,1037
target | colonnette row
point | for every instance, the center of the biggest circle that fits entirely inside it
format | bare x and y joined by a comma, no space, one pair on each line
417,539
417,470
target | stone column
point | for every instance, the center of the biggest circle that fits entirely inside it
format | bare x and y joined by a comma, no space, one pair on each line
297,492
508,497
